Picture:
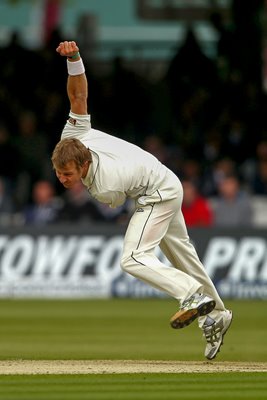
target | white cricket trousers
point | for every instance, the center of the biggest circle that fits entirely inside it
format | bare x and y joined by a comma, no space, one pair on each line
163,224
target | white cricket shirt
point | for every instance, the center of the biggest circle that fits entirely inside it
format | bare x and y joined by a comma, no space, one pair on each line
120,169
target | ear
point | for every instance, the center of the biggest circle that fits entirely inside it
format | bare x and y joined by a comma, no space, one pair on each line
85,168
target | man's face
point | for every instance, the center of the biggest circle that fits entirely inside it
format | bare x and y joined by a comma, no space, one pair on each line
70,174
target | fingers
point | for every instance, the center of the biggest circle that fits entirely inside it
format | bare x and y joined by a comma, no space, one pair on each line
67,48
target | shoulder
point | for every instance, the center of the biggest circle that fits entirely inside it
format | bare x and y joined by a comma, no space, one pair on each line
76,126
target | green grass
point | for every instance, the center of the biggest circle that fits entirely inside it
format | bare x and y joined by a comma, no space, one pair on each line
121,329
126,329
133,387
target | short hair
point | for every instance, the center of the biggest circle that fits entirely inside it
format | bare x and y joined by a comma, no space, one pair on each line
70,150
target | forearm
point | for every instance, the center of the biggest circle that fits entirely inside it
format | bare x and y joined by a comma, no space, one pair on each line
77,93
77,82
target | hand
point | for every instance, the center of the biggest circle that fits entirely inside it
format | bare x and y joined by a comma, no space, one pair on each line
67,49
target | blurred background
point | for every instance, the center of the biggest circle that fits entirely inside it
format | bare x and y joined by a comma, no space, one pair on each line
184,79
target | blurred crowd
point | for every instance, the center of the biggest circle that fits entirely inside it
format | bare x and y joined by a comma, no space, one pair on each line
204,118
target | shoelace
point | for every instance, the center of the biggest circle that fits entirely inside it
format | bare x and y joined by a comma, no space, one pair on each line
193,299
212,333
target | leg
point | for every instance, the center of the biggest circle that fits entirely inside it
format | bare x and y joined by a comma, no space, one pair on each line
182,254
145,231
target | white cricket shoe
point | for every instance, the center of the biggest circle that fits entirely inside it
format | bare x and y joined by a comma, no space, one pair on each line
195,306
214,331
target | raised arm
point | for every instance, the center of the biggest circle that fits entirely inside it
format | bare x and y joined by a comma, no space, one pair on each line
77,87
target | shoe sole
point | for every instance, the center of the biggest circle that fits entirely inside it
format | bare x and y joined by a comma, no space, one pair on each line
183,318
219,348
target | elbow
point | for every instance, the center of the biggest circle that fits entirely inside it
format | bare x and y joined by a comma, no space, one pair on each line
80,97
79,104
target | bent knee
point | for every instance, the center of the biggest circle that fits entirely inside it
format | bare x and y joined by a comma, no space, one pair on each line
129,261
126,262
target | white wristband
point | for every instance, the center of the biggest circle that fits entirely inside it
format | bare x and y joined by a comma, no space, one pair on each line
75,67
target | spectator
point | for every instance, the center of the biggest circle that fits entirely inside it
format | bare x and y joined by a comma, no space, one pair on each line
259,182
191,171
32,146
196,208
9,158
154,145
233,206
226,45
6,204
254,169
78,206
45,205
119,215
19,78
191,77
215,174
236,143
190,67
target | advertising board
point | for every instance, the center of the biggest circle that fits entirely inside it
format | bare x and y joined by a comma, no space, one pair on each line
67,261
